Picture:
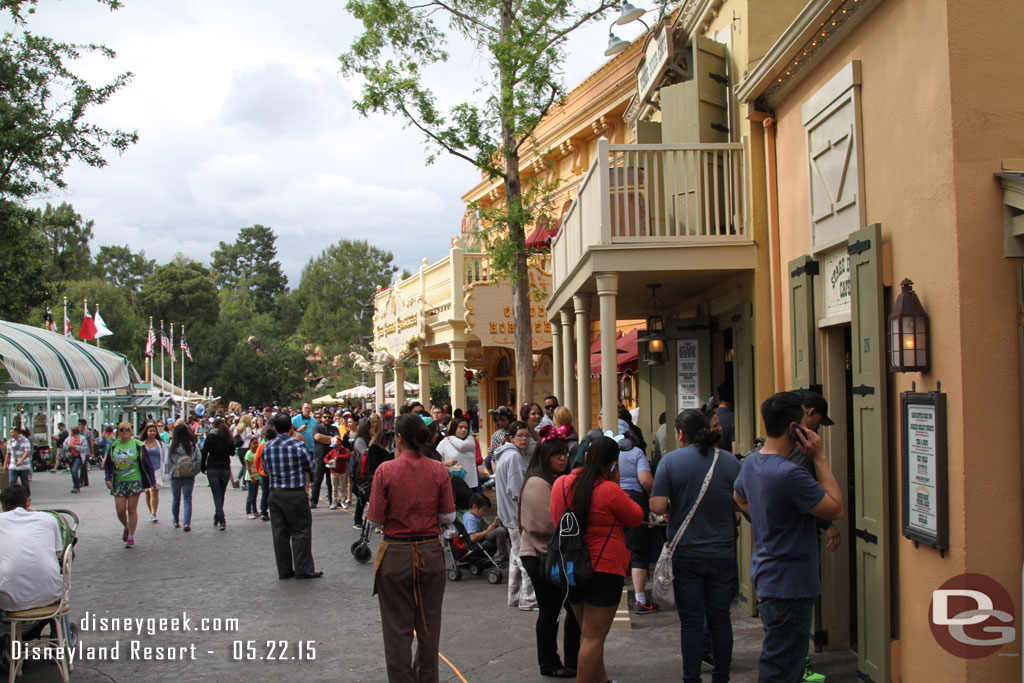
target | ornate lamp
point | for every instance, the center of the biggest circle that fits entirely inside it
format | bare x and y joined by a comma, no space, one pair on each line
655,336
908,332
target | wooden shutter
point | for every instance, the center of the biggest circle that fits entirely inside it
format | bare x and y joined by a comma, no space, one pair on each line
870,446
801,320
745,407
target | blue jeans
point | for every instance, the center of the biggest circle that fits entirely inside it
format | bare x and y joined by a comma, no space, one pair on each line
14,475
264,496
250,496
787,632
704,588
182,488
76,468
218,480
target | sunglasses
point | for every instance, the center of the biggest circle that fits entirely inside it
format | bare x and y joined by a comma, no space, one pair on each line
124,429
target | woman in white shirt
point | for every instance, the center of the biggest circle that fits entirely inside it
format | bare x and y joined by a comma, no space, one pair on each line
459,448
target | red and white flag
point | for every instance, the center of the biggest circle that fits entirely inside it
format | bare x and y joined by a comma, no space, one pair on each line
166,343
150,341
67,321
87,332
51,324
185,352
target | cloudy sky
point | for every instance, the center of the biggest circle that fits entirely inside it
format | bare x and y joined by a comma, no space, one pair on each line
243,118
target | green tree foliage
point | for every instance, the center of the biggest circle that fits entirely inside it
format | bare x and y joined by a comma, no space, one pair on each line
260,370
123,319
524,42
124,268
24,277
43,108
183,292
67,237
336,291
249,265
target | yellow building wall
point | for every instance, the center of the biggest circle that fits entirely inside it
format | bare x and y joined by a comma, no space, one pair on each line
938,116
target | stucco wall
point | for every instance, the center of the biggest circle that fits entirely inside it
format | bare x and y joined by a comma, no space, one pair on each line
938,116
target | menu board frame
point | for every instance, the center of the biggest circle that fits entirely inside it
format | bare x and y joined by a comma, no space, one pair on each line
925,468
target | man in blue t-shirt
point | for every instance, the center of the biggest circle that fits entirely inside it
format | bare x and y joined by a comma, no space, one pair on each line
305,426
783,500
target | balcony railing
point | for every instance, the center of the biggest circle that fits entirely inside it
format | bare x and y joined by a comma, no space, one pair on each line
643,194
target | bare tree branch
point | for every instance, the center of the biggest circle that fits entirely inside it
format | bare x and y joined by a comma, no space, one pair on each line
461,15
448,148
540,117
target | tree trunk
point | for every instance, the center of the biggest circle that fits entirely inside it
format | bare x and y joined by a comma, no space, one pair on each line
523,340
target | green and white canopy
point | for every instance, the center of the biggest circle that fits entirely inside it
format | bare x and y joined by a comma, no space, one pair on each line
40,359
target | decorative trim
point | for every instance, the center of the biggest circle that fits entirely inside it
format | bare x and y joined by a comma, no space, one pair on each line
816,30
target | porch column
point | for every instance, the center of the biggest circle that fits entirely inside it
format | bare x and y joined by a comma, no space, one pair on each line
399,385
458,378
378,384
607,289
569,381
558,381
423,364
581,305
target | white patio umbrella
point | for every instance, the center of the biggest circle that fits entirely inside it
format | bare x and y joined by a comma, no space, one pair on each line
359,392
389,388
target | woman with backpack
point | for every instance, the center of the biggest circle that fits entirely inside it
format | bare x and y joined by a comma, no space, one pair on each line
601,509
183,461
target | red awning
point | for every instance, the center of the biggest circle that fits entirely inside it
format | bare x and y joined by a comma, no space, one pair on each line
626,353
542,236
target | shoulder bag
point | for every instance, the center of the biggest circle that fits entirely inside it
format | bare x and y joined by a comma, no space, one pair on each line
662,585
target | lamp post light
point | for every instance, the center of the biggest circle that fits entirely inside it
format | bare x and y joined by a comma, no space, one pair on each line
908,332
627,14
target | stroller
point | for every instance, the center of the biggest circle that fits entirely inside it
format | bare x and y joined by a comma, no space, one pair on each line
461,552
361,547
28,625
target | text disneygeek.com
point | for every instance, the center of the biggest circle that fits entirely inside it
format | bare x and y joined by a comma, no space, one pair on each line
137,649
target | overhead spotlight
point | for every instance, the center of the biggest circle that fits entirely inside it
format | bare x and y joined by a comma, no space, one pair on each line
616,45
629,13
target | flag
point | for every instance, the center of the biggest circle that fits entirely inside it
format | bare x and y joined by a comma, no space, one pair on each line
51,324
67,321
150,340
166,343
101,327
185,352
87,332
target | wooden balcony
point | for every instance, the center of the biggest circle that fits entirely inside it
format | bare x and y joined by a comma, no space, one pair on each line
676,210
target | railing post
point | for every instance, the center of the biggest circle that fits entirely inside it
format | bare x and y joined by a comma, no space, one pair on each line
603,171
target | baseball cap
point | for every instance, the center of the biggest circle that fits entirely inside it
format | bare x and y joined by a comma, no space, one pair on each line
817,402
502,410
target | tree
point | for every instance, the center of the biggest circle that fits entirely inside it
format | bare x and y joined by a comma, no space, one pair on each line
124,320
262,371
182,292
43,107
24,278
249,265
525,41
336,293
123,268
67,237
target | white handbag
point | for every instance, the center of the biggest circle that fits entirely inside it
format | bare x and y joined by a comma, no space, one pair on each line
664,595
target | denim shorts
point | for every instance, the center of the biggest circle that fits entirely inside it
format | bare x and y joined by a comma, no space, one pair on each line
600,590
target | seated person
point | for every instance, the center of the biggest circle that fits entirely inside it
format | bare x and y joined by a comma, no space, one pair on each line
30,543
473,520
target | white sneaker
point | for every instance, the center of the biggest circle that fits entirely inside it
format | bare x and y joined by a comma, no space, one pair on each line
251,516
152,518
344,506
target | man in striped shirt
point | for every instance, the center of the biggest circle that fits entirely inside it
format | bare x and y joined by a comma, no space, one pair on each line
288,466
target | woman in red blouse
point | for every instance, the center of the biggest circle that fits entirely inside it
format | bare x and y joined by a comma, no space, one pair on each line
411,497
603,509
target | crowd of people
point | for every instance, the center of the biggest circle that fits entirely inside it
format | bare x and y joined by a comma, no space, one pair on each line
408,475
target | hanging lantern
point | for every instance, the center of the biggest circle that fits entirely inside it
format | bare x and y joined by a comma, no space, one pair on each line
908,332
655,334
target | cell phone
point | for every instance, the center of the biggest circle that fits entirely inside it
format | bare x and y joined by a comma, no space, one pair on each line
795,432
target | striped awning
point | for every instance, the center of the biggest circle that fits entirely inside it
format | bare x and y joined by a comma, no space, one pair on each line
37,358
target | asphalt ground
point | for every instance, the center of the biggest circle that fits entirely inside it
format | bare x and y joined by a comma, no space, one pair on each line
244,624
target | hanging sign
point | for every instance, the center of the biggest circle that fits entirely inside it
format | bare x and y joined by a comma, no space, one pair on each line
688,373
398,323
925,475
489,312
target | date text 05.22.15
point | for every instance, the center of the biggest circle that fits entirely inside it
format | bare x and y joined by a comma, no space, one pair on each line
273,650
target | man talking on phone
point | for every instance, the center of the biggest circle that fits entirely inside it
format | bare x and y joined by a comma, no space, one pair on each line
783,500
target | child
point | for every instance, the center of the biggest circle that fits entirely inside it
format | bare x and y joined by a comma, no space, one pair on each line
337,463
473,521
252,478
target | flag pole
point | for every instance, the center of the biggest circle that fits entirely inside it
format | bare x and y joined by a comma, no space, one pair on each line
162,352
184,402
67,325
170,344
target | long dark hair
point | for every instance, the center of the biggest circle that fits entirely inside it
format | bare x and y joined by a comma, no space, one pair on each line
602,452
363,430
697,428
183,438
540,463
413,431
220,428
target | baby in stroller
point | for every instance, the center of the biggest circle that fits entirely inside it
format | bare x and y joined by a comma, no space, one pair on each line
473,546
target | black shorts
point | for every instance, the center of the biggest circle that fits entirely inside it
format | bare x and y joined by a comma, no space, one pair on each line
638,538
601,590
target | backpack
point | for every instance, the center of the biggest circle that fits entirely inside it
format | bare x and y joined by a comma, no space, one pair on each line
185,467
567,563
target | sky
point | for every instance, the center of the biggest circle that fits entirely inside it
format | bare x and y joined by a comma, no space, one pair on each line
243,118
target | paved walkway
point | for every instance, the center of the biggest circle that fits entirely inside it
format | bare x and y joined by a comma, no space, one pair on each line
329,629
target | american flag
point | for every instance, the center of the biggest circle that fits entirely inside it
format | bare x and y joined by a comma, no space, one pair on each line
167,343
51,325
150,341
184,346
